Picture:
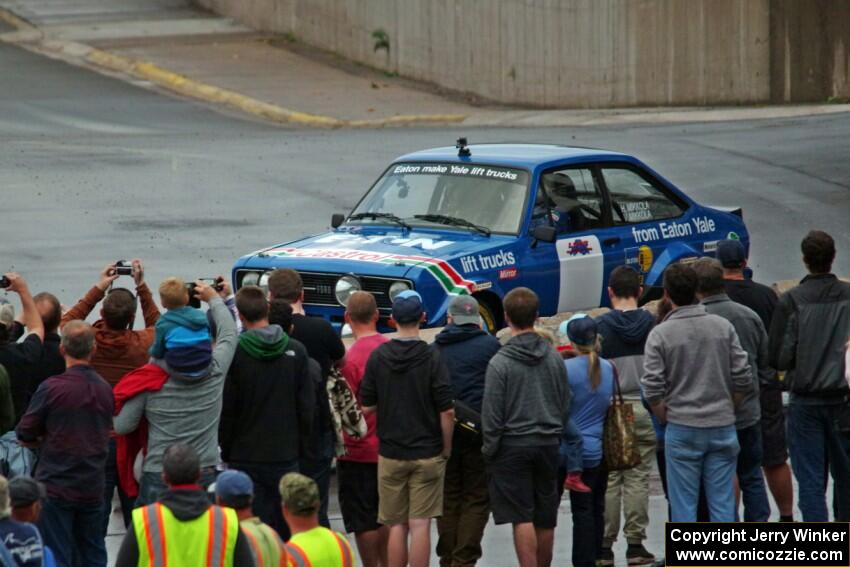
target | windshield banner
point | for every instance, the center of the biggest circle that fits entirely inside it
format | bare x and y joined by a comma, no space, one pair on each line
497,173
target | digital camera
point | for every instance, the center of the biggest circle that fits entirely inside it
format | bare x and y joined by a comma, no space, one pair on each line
123,268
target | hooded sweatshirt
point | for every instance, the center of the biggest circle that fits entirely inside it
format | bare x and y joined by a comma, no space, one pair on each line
268,399
186,503
624,336
467,350
187,408
180,328
409,384
526,395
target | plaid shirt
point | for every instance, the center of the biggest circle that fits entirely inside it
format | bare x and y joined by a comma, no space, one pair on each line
71,416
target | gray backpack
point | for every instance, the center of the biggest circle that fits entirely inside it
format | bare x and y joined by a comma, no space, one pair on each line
15,459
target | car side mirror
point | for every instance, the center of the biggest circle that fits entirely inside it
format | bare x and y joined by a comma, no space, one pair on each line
337,219
545,233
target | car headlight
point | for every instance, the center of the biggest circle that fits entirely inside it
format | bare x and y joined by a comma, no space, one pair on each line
396,288
250,278
345,286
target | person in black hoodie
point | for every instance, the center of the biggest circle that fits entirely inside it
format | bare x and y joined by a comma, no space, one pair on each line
624,331
466,349
182,505
323,345
526,405
408,385
267,407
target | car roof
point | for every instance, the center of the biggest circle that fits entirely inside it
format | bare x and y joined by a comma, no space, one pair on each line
527,156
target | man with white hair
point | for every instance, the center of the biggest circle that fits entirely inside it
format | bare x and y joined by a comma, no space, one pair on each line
69,419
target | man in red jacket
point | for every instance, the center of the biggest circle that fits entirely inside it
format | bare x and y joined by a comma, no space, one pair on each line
120,349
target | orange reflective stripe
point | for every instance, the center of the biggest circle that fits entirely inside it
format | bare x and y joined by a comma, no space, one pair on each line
154,528
344,550
217,546
297,557
252,541
224,528
210,540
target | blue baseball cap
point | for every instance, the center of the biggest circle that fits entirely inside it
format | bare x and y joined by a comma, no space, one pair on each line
580,329
232,484
731,253
407,307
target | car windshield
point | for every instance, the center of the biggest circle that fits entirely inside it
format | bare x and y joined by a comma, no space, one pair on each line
463,196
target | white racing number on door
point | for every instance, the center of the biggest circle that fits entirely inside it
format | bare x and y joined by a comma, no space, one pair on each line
582,268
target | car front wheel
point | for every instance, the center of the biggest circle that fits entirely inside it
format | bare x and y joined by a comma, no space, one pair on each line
488,318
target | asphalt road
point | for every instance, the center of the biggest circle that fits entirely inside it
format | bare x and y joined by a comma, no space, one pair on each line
93,170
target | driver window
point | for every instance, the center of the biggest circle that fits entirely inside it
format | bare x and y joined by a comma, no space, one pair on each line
635,199
573,199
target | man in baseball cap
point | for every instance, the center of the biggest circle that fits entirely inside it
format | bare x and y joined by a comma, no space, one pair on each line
407,308
310,542
731,253
25,495
763,300
409,387
23,540
466,349
234,489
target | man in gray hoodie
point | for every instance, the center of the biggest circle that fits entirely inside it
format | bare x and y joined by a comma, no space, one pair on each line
694,373
186,409
526,404
753,337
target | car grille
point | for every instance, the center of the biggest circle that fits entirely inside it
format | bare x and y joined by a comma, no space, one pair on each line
319,288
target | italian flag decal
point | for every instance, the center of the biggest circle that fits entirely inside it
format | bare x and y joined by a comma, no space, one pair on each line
441,270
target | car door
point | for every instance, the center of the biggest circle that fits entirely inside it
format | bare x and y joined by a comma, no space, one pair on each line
579,211
644,214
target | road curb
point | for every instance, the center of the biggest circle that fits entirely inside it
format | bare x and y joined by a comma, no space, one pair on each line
208,93
15,21
181,84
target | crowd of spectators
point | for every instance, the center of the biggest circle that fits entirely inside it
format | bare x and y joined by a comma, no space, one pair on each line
205,420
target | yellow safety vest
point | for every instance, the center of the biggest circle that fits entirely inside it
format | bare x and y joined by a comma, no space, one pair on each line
319,547
206,541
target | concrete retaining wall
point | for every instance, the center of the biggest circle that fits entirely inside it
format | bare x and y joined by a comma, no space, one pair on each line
584,53
810,50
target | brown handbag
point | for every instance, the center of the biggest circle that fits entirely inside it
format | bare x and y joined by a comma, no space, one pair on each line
619,441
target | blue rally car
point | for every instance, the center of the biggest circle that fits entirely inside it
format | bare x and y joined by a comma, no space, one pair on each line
486,218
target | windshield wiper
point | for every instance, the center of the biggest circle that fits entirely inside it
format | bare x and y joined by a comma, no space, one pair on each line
454,221
380,216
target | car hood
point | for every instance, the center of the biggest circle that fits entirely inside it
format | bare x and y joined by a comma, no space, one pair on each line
378,252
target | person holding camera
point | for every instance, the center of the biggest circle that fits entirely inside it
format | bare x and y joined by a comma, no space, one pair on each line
20,358
120,349
188,406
